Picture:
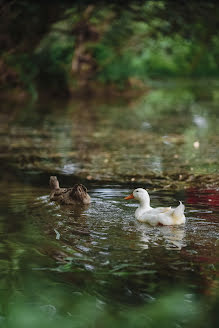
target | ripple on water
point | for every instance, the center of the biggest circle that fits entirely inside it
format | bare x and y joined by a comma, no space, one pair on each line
107,234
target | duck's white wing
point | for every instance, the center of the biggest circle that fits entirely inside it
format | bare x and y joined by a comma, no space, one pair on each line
163,216
152,219
158,210
155,216
151,216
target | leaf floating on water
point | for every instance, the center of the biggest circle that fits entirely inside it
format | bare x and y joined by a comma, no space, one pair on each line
116,271
145,272
57,234
131,273
122,266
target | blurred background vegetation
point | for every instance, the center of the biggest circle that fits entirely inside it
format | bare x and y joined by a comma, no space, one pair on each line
55,49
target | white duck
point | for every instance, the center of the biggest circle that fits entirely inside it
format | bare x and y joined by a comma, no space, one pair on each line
159,215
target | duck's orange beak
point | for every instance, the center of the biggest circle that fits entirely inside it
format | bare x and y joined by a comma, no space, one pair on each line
129,197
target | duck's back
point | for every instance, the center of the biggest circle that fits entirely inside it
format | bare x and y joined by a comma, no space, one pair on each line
164,216
69,196
57,194
76,194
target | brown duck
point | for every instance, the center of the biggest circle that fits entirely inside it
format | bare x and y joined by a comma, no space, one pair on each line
68,196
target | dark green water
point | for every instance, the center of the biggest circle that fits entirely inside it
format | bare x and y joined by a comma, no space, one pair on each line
53,256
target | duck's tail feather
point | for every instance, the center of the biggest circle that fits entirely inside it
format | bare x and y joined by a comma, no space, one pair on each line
78,192
179,210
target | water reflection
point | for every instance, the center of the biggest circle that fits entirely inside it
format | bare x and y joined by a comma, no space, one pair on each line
172,238
109,142
102,250
203,197
102,245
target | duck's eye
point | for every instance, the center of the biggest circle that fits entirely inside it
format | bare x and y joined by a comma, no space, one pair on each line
136,190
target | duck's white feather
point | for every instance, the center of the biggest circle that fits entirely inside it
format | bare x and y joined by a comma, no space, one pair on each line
156,216
159,215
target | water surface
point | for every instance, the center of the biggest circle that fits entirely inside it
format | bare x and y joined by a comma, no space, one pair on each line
102,249
170,134
53,255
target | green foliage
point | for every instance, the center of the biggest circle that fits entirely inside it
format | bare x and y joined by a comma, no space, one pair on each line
113,67
164,57
52,59
173,310
144,40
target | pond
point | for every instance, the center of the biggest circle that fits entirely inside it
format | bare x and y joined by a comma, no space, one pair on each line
64,260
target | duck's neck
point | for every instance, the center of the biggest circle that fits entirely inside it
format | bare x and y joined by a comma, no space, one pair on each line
54,184
143,207
145,202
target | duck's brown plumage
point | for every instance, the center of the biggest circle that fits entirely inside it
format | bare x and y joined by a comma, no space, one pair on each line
68,196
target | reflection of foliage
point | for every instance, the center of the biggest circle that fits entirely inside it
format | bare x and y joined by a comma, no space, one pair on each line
139,139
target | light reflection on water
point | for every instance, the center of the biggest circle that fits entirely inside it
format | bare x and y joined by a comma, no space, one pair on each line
154,135
105,240
110,218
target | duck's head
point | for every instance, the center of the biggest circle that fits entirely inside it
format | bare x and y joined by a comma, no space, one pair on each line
140,194
53,182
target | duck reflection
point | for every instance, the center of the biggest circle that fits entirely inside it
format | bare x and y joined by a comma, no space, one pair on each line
74,220
171,236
